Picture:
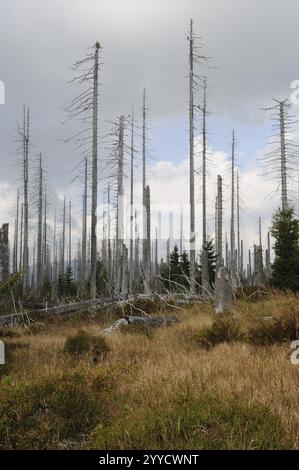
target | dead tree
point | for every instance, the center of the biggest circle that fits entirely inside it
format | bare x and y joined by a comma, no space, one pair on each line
146,245
94,188
120,207
39,260
205,278
16,236
233,257
268,257
84,227
219,221
23,132
62,255
21,238
116,164
54,271
85,106
223,290
239,270
147,241
4,252
192,84
70,235
280,162
249,270
132,154
195,58
46,260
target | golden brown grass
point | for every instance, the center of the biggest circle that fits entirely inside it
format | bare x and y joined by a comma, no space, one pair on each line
159,368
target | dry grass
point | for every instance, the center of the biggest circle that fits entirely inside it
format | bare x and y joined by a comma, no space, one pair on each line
168,364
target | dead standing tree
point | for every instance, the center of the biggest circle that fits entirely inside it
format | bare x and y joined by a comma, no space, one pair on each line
16,235
204,255
23,138
85,107
195,58
232,216
280,162
132,163
116,163
146,244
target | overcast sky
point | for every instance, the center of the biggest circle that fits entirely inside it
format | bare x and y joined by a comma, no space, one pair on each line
254,46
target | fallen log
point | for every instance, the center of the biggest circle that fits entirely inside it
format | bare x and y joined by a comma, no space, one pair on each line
15,318
151,322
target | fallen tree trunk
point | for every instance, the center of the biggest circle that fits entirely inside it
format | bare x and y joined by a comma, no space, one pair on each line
151,322
14,318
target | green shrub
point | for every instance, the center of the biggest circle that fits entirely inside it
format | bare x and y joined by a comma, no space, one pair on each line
40,414
275,330
204,422
83,343
223,330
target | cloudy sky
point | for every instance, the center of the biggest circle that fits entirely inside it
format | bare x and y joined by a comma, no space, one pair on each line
253,45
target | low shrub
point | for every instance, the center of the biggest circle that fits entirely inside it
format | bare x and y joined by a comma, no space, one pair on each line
273,330
42,413
204,422
223,330
9,332
83,343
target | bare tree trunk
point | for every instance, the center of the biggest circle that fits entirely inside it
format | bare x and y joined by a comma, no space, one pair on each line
21,238
54,277
84,227
268,257
4,252
205,261
181,233
110,264
120,208
62,262
25,209
70,234
94,189
232,221
249,268
131,271
45,241
39,268
219,220
284,192
16,236
146,207
147,242
191,156
238,231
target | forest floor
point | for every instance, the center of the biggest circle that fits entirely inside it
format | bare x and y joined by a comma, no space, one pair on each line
199,384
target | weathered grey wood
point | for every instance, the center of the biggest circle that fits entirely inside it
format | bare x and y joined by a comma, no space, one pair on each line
151,322
4,252
223,296
191,159
94,188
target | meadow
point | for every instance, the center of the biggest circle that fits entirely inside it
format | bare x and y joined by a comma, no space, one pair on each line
207,382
